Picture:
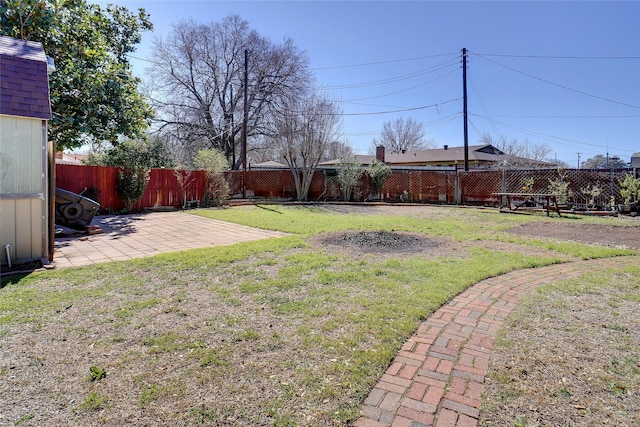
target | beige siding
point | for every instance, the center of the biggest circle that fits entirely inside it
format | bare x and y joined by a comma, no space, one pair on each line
21,155
23,227
22,189
7,227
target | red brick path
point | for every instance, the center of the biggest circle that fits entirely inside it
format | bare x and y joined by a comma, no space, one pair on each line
437,377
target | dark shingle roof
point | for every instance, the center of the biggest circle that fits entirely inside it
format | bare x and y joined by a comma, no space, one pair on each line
24,83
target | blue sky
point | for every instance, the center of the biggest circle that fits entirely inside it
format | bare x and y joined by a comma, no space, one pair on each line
565,74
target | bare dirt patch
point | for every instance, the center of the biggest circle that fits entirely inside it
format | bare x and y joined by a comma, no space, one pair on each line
599,234
383,244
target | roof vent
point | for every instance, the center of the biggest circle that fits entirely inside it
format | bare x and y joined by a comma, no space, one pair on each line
446,147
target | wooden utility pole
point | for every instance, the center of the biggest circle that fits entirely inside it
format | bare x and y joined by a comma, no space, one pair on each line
244,122
230,150
232,136
464,109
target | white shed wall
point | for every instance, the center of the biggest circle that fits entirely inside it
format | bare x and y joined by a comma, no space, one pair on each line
23,188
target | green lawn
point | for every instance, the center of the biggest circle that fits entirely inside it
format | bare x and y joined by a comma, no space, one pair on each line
278,332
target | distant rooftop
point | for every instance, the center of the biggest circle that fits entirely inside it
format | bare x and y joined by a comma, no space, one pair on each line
479,155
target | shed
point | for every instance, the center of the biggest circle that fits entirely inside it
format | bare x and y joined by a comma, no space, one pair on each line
25,154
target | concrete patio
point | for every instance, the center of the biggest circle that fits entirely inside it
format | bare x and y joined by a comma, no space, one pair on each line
139,235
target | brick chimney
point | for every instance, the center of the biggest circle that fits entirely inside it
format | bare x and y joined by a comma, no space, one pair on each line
380,153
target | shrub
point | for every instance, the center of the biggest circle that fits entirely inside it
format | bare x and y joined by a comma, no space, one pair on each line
378,174
630,189
130,184
560,187
349,176
214,163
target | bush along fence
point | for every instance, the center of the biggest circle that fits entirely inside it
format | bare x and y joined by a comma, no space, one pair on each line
580,188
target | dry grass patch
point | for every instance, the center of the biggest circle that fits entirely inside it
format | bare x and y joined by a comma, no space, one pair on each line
284,331
570,355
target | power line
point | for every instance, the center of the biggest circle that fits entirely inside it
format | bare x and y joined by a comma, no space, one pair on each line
531,132
481,103
556,56
423,107
382,62
559,117
141,59
558,85
436,124
408,76
402,90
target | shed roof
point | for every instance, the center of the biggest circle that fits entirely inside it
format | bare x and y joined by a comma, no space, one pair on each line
24,82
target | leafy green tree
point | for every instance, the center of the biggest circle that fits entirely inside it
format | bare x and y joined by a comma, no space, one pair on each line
600,162
94,95
378,174
136,153
131,184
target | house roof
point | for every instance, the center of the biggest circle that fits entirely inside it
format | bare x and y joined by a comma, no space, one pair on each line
269,165
360,158
24,82
477,153
70,158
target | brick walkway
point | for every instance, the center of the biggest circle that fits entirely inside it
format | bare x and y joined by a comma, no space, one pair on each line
437,377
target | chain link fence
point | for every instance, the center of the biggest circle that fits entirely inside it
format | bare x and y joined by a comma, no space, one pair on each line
580,188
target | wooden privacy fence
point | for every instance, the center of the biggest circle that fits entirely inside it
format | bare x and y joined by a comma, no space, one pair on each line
411,185
99,182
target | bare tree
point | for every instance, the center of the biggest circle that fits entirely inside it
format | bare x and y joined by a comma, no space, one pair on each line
198,76
338,149
402,135
519,153
304,131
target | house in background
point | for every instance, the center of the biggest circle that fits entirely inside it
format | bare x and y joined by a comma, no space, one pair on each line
480,157
268,165
635,160
63,158
26,157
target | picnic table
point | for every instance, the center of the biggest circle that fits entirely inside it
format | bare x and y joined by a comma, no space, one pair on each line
515,201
